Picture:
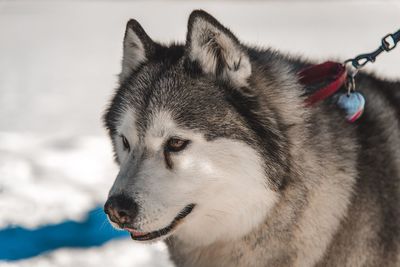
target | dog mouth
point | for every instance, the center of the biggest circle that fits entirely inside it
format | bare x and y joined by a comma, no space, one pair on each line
147,236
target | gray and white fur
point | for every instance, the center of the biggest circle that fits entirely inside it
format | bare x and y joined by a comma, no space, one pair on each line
220,157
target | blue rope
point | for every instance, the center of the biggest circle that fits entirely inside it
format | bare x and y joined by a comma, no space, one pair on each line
19,243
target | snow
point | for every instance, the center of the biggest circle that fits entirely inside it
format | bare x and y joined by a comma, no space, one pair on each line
117,253
50,179
58,67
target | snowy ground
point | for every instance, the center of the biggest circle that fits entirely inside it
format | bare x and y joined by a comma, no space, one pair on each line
58,66
117,253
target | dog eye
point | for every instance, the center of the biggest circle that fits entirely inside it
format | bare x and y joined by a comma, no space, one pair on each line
125,143
176,144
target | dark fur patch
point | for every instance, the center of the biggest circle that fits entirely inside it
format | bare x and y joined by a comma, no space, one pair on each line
272,144
168,160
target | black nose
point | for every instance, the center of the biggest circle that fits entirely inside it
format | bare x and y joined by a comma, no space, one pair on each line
121,209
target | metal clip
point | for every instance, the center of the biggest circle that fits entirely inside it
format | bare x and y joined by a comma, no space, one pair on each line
387,43
351,73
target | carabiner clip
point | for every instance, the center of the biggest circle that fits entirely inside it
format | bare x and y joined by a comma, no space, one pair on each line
352,71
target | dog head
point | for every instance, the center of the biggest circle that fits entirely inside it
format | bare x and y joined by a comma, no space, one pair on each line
201,156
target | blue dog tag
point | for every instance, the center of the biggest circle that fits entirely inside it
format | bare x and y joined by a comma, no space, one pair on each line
352,104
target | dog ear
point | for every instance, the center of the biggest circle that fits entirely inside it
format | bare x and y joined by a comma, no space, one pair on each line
217,51
138,47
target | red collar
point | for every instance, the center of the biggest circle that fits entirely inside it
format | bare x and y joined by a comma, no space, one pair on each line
333,71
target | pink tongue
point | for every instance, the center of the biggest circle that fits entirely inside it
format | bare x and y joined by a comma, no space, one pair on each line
136,233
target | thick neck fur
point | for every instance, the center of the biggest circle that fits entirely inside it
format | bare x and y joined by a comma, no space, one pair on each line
301,226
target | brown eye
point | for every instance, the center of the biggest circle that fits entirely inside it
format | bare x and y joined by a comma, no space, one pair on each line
125,143
176,144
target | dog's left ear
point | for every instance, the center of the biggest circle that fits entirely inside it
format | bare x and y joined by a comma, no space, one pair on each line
217,51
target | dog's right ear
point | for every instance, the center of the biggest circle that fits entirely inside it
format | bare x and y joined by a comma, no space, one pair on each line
216,49
138,47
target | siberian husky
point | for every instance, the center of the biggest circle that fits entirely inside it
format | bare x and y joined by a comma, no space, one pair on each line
220,157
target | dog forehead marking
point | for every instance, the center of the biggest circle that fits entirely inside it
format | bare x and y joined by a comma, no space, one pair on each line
128,127
161,125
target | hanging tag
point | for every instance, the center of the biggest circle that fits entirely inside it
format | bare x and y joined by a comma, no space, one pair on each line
353,104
